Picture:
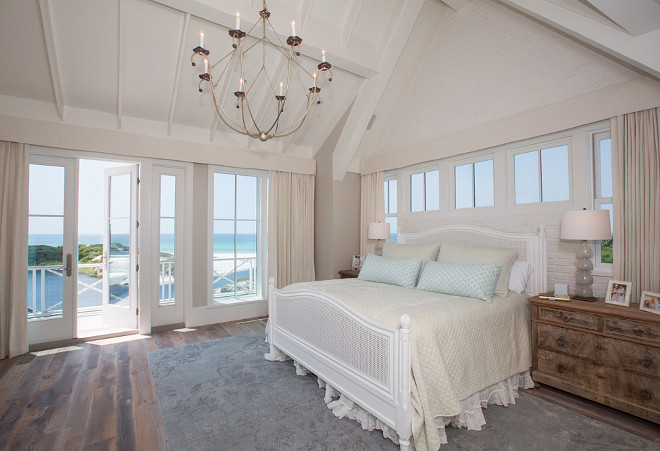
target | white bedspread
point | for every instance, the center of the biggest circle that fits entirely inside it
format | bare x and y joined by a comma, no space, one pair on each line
459,345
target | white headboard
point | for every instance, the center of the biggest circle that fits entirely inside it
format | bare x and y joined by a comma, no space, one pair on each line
531,246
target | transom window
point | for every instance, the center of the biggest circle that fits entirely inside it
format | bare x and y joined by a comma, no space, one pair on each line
237,239
473,184
425,191
542,175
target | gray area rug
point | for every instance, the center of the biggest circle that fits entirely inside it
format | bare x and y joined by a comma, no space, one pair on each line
223,394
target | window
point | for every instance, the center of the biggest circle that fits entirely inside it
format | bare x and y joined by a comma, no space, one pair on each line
425,191
473,185
390,190
238,237
167,238
541,175
602,152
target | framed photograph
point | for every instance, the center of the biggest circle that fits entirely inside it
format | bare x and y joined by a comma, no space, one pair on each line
357,262
618,292
650,302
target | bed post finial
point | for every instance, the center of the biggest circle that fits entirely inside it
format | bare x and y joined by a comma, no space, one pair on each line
404,321
542,230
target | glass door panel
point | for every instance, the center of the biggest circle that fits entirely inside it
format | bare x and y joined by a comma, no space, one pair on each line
168,187
51,294
120,247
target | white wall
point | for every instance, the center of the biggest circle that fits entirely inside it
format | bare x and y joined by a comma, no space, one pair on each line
489,62
505,215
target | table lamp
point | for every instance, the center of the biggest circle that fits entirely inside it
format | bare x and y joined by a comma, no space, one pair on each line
585,225
379,231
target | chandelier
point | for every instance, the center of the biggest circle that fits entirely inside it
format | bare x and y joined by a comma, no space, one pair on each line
289,82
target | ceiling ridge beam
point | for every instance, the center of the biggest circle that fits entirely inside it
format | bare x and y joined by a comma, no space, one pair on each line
177,76
46,22
369,95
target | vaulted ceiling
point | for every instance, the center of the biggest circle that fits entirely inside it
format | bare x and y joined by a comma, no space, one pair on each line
125,64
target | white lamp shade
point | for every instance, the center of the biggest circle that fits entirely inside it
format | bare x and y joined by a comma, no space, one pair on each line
586,225
379,231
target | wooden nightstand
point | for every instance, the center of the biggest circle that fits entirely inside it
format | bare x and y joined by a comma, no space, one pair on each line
349,273
607,353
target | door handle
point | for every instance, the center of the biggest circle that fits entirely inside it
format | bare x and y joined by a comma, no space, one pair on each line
67,268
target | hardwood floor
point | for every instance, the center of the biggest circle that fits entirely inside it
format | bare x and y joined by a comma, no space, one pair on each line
93,395
99,394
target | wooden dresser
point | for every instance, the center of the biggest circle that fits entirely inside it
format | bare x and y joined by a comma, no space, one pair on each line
607,353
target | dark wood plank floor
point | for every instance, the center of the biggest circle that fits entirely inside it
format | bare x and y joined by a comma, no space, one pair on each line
99,394
94,395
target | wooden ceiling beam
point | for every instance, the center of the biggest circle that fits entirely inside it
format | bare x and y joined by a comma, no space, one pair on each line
177,76
47,24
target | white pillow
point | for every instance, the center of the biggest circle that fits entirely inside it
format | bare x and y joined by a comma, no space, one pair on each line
519,276
398,250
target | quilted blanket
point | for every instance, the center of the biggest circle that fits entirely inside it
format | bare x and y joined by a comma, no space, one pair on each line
459,345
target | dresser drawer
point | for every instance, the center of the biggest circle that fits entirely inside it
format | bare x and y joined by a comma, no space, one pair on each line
630,356
632,329
569,341
632,388
579,319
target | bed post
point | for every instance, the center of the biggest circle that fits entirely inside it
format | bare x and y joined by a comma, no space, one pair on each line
404,409
271,316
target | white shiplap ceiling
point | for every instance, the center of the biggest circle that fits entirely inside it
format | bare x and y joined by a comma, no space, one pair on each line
125,64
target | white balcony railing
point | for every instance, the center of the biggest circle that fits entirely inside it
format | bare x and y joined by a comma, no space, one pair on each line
227,270
45,288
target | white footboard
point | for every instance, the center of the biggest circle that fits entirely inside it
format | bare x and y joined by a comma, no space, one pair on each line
365,361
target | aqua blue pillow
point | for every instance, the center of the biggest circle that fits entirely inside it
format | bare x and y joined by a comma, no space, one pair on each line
394,271
468,280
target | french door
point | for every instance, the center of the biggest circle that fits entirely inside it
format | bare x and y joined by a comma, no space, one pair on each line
120,247
52,253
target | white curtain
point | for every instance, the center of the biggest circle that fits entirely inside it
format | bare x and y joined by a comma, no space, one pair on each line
372,207
291,227
636,197
14,165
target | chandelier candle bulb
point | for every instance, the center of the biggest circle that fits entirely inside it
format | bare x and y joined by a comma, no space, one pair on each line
206,65
281,86
238,20
241,85
323,56
293,28
201,39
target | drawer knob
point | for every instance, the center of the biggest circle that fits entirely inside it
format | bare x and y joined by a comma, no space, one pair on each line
561,368
647,363
646,394
561,341
566,318
639,332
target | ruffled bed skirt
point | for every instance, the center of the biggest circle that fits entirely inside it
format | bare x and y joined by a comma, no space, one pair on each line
470,415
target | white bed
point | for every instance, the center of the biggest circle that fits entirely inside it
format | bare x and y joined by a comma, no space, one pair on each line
356,337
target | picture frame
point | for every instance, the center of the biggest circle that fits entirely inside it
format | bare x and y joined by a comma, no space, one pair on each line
650,302
357,262
618,293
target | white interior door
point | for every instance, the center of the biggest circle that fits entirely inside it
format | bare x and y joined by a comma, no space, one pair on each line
120,247
52,255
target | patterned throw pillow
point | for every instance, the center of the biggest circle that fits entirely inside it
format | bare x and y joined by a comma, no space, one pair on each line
470,280
394,271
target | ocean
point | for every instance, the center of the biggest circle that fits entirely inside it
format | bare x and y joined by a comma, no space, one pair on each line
222,242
